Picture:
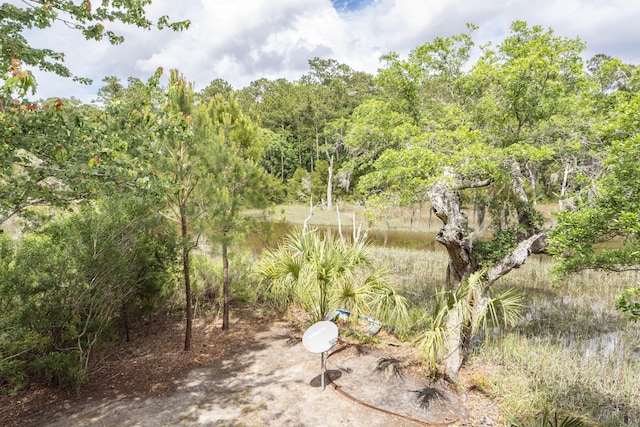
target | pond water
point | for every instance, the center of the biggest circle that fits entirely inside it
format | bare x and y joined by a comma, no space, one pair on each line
385,238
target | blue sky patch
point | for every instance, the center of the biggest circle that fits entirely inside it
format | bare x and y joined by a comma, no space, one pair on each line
349,5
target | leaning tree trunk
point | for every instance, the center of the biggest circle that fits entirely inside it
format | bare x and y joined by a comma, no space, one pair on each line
454,234
456,238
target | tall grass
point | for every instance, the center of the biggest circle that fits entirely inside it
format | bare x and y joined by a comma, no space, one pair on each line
418,274
531,374
571,353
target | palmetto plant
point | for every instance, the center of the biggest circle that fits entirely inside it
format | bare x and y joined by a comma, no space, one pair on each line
548,420
476,311
322,273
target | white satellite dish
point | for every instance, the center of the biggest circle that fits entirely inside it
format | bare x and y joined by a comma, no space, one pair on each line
319,338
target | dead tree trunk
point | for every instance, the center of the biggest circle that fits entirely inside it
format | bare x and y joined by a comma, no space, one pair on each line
330,183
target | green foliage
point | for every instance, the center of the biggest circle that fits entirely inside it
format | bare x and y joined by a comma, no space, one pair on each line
60,152
321,274
429,79
243,283
431,339
309,116
207,275
234,181
206,281
57,152
112,91
374,128
613,75
363,337
16,20
299,186
46,156
523,101
629,302
475,312
319,181
216,87
183,164
279,105
532,77
65,286
611,216
238,182
489,251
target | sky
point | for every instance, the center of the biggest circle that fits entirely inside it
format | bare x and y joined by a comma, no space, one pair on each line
241,41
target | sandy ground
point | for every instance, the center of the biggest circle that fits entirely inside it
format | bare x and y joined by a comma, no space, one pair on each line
270,379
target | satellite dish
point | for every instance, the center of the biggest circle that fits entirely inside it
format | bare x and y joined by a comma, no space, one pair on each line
319,338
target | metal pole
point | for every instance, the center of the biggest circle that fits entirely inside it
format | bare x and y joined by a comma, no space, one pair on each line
322,369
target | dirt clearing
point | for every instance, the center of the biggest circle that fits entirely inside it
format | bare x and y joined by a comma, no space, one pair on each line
256,374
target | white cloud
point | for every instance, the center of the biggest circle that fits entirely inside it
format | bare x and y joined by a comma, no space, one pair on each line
244,40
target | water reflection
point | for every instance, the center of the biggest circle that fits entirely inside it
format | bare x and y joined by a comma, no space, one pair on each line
385,238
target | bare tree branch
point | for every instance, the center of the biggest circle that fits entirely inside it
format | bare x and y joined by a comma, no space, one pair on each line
535,244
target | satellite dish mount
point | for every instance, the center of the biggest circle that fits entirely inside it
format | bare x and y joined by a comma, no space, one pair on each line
320,338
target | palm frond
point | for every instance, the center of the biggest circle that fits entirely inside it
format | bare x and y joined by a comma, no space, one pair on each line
504,309
430,342
324,273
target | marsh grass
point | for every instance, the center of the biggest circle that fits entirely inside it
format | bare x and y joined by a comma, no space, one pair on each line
530,375
419,219
571,353
418,274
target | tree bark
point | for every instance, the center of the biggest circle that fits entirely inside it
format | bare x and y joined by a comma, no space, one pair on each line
187,284
225,288
536,244
330,184
445,202
456,238
454,351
